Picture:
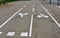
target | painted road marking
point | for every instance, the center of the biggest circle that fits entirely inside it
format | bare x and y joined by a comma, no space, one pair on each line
24,34
0,33
49,14
25,13
42,16
10,34
22,14
46,16
39,16
30,31
13,16
58,6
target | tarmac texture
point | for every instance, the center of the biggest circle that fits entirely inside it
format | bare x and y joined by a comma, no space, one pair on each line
41,27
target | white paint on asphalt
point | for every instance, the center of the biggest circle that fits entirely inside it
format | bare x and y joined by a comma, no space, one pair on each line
30,31
38,16
33,9
0,33
13,15
42,14
49,14
24,34
25,13
10,34
46,16
58,6
22,14
24,6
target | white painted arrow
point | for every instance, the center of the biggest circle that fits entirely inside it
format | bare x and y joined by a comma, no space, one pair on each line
22,14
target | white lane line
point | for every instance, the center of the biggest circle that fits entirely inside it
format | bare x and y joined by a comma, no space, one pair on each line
49,14
30,31
13,15
24,34
10,34
0,33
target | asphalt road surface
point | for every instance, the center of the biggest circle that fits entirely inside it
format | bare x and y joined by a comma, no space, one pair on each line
33,26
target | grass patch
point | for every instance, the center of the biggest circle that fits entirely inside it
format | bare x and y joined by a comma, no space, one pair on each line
6,1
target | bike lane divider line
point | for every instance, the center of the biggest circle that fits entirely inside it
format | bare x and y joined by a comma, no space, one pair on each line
33,11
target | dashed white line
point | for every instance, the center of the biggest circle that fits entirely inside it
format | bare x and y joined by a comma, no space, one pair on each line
24,34
10,34
30,32
13,16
